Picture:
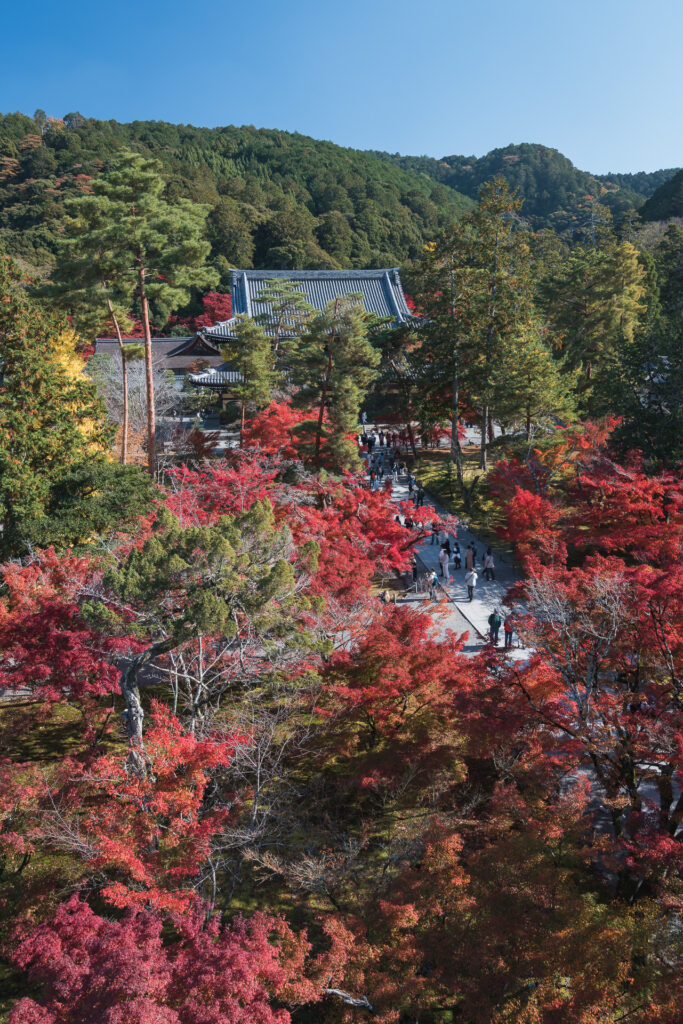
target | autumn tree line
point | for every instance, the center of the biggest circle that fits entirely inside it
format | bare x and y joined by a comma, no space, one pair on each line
236,787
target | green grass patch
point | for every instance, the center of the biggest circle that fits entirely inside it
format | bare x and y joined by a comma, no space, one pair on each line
434,470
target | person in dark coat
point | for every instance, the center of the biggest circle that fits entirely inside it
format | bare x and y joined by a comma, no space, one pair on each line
495,622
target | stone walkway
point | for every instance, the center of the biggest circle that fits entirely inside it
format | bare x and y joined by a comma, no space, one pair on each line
454,611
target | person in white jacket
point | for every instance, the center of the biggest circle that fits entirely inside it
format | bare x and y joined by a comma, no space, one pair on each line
471,581
443,562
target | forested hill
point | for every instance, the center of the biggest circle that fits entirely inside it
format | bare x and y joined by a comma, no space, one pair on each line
284,200
277,200
666,202
555,192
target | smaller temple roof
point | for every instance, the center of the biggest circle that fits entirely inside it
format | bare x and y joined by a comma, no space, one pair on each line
219,377
170,353
381,293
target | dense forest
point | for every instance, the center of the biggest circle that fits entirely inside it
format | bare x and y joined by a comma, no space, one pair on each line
283,200
276,199
666,202
556,194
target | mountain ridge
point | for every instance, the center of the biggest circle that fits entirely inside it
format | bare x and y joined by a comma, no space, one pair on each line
284,200
554,190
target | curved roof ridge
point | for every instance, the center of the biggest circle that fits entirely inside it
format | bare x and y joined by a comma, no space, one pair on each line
379,288
315,274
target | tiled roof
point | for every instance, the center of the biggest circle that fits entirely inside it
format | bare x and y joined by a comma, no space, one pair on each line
221,376
164,345
170,353
380,289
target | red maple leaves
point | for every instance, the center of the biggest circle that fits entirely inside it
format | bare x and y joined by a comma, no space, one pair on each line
92,968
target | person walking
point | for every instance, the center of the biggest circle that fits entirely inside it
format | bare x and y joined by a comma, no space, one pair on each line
469,558
411,483
489,565
435,532
471,581
495,622
431,583
420,496
457,557
508,630
443,562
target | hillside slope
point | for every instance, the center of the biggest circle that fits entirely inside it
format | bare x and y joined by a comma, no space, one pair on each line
555,192
666,202
284,200
277,199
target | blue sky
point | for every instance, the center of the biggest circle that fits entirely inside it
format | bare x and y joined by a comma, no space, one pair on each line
602,81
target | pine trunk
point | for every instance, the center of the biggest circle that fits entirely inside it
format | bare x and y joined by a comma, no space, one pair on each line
321,412
484,436
149,375
124,378
456,450
326,384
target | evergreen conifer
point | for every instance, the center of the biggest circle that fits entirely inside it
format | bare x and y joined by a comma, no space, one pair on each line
48,417
333,366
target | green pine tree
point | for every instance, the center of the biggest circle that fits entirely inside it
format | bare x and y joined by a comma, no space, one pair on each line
161,243
251,354
93,281
594,303
232,579
476,292
646,392
529,388
48,420
285,312
333,367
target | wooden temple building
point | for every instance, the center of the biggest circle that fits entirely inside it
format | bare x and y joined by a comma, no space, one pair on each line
380,290
182,356
199,357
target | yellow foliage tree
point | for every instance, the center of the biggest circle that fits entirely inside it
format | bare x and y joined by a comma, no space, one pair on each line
65,348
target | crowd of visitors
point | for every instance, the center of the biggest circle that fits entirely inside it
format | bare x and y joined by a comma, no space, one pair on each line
385,464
